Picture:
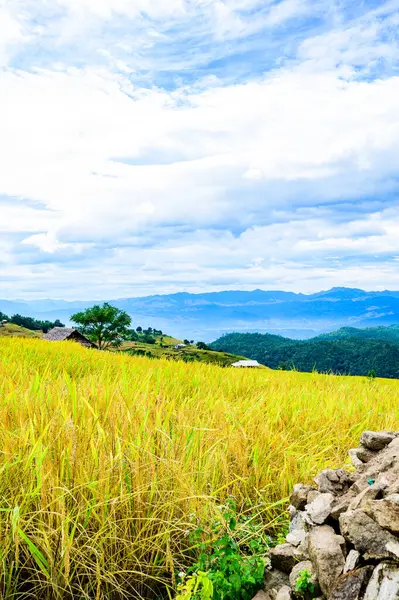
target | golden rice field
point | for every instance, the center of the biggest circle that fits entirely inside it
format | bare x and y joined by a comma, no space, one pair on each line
106,461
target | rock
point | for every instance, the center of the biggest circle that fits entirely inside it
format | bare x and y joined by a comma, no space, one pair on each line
313,494
370,493
385,512
320,509
365,454
393,549
284,557
377,440
334,481
299,522
365,534
342,542
305,565
299,496
383,470
274,580
352,585
356,462
391,486
297,538
384,583
351,561
326,556
262,595
284,593
342,503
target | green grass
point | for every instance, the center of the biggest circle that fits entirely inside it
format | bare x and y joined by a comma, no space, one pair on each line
187,354
11,330
107,462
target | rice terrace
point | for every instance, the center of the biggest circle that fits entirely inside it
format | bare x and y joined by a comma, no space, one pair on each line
199,300
112,466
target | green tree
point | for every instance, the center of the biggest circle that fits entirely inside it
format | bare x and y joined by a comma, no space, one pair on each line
34,324
202,346
104,325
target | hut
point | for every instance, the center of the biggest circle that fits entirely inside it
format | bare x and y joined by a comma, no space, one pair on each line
249,364
63,334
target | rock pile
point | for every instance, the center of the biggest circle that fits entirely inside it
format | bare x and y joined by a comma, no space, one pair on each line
345,532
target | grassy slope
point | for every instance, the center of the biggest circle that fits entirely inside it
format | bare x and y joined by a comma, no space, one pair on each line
104,457
11,330
188,354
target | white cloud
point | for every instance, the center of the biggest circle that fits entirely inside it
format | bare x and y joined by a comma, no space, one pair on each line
11,31
168,173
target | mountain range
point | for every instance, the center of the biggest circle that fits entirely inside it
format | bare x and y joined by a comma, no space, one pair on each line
206,316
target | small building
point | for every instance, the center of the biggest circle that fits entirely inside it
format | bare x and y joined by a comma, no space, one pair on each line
249,364
180,346
63,334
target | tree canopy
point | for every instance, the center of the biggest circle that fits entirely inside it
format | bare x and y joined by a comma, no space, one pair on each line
31,323
104,325
346,355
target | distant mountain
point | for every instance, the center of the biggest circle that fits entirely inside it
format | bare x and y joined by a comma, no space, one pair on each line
390,334
207,316
349,351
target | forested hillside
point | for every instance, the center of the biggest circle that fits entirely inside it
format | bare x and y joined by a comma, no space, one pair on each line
348,351
390,334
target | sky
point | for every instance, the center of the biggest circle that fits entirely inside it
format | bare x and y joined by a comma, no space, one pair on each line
156,146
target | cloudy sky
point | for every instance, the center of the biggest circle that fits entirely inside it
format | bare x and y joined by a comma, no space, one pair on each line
153,146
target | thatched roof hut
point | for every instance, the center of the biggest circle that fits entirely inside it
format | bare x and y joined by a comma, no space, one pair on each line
62,334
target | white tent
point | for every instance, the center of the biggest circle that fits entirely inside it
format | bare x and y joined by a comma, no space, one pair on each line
246,363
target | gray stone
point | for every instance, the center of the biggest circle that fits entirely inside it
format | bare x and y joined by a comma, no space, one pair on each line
393,549
342,503
326,556
356,462
313,494
385,512
384,583
284,593
334,481
351,561
369,493
284,557
297,538
299,496
262,595
377,440
365,454
275,579
352,585
299,522
391,487
342,542
365,534
383,470
320,509
305,565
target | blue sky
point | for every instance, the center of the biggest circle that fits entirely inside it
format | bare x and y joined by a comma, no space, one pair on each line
154,146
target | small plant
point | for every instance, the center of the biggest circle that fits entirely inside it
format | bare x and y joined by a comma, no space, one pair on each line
371,374
195,587
303,585
233,561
